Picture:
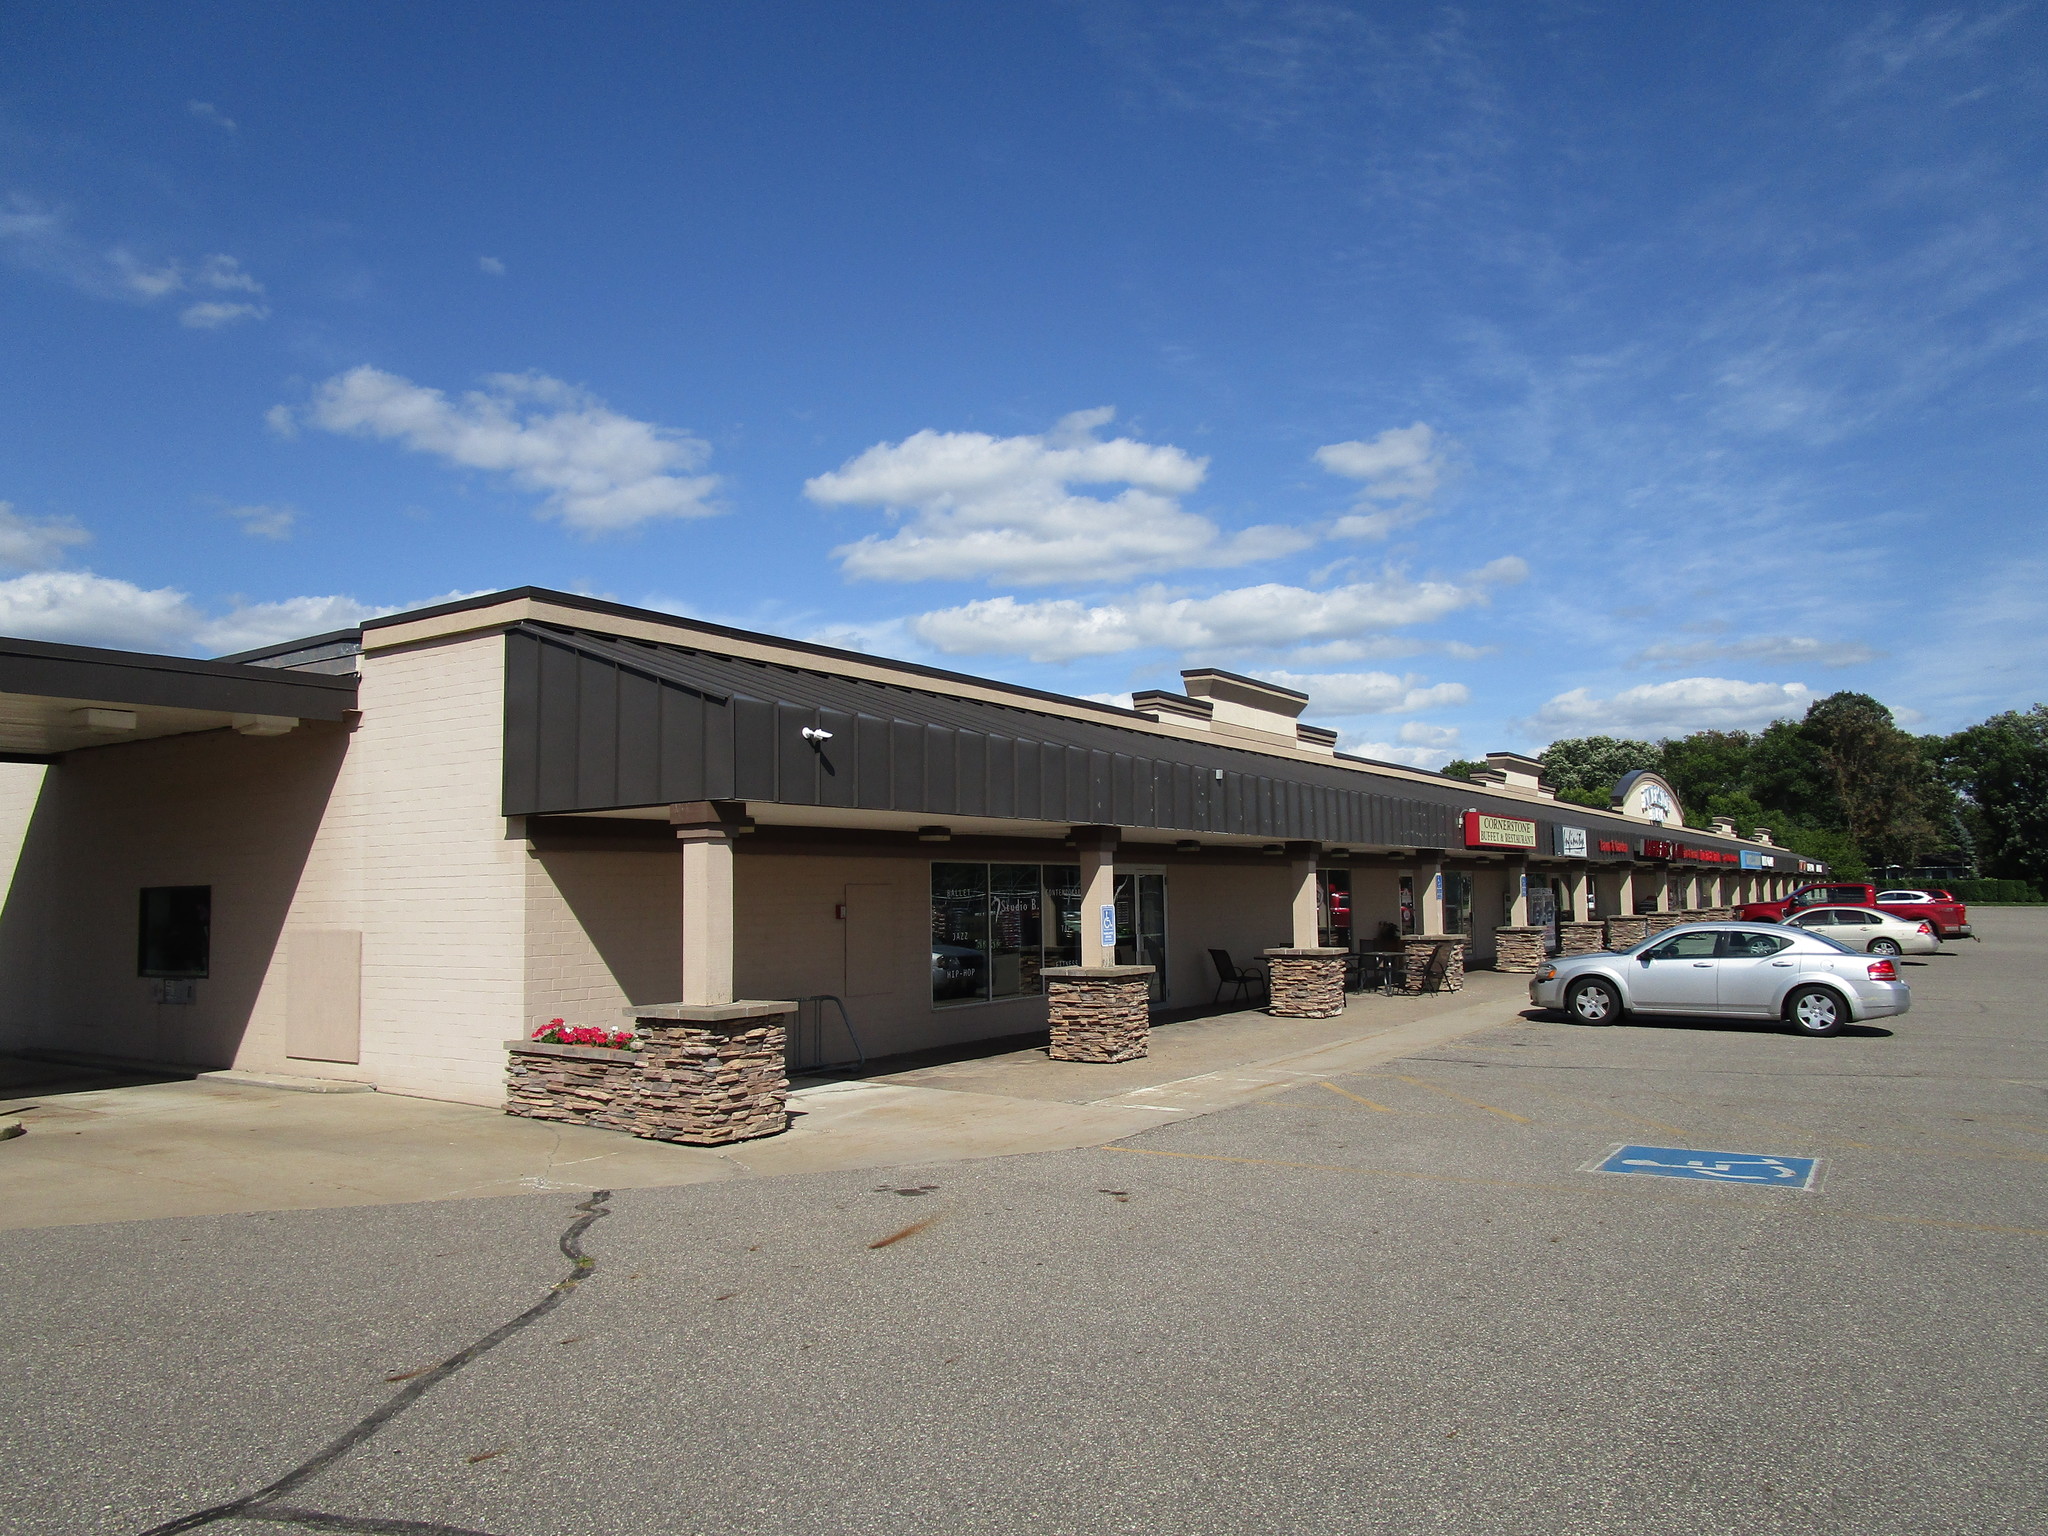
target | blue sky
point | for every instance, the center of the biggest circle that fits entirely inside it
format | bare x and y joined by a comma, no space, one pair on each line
1492,374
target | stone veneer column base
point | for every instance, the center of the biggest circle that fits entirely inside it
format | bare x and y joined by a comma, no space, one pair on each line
1627,932
1306,983
1659,921
1518,948
1098,1013
703,1075
1580,938
1417,951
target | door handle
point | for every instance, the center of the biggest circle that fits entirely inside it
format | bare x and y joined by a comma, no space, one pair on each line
1783,965
1703,965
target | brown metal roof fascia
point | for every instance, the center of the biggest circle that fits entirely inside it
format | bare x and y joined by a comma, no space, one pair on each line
579,752
46,670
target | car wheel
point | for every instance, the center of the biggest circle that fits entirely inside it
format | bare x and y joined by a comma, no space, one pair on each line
1816,1011
1593,1002
1885,947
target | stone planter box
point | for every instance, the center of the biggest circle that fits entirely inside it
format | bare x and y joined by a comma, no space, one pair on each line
1626,932
1306,983
1098,1013
704,1076
573,1084
1580,938
1659,921
1518,949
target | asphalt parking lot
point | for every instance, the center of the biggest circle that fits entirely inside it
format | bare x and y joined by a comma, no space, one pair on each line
1394,1300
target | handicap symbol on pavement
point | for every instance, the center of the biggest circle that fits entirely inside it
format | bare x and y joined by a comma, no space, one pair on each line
1715,1167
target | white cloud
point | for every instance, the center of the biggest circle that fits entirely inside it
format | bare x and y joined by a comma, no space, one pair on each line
1770,650
1436,737
248,625
601,472
83,609
1399,472
1407,755
212,314
1120,700
1265,617
491,264
972,505
41,239
29,545
266,521
1670,709
79,608
207,112
1367,693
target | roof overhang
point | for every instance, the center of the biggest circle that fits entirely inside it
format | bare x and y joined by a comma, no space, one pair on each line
58,698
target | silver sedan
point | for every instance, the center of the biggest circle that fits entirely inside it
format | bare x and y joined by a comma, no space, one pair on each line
1867,929
1729,970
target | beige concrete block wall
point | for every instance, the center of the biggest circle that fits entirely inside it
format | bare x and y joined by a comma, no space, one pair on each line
603,933
1375,899
444,880
239,814
1245,910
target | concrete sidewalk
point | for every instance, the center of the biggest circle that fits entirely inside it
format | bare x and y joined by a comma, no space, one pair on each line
102,1147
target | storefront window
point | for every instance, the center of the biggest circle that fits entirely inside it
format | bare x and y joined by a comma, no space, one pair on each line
1333,908
1457,902
996,927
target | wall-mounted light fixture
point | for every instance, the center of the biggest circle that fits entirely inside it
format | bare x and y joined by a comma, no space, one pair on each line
1274,848
1187,845
815,736
935,834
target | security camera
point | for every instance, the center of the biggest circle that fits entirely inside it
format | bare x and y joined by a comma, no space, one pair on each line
812,733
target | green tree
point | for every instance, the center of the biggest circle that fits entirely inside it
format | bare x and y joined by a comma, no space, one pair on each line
1593,764
1888,793
2002,766
1460,768
1704,765
1787,777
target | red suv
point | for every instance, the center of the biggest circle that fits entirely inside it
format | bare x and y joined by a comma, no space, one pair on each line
1949,917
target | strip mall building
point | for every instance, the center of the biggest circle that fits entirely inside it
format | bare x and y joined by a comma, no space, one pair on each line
380,854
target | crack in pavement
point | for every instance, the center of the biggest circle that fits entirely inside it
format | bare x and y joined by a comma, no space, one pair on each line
261,1505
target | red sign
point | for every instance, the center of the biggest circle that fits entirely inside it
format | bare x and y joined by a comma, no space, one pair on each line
1656,848
1612,846
1484,831
1709,855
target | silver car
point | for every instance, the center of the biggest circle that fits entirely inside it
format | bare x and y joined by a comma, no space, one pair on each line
1867,929
1729,970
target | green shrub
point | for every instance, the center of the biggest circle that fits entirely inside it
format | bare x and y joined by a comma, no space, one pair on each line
1988,890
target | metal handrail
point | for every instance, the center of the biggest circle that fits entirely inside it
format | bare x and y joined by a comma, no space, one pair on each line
802,1062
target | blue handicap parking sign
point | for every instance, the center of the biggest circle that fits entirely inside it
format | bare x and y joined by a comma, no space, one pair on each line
1715,1167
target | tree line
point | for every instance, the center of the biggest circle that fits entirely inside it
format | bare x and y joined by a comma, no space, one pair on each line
1846,784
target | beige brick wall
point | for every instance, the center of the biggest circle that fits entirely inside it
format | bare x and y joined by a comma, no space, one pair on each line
1245,910
392,831
443,880
603,932
241,814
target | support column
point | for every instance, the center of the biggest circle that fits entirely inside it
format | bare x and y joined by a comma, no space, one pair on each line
1580,934
1517,947
1301,887
1098,1011
1096,847
711,1068
1664,914
704,831
1623,929
1305,980
1429,898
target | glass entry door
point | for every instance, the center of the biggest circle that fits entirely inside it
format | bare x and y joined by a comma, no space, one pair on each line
1141,926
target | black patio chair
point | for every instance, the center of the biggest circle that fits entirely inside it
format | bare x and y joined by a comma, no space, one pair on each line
1439,966
1228,975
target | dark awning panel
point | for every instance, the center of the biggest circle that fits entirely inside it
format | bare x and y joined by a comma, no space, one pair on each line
596,723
